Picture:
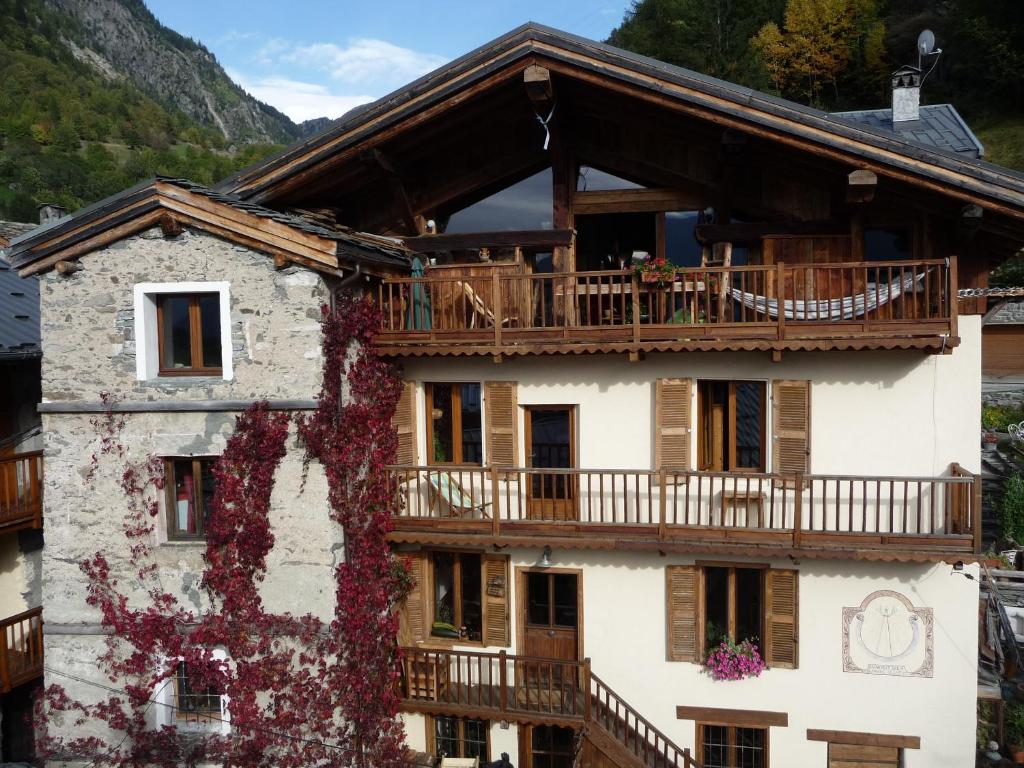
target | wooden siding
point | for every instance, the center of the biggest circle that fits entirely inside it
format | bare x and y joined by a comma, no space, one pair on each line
1002,350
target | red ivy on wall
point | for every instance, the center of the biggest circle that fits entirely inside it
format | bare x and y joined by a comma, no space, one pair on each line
302,692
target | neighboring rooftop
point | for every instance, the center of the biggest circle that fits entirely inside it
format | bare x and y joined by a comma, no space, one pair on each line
1008,312
19,303
940,126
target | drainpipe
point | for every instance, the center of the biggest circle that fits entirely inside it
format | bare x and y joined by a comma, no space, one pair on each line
345,283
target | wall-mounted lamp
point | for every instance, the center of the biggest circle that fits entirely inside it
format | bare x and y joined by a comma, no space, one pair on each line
545,558
958,567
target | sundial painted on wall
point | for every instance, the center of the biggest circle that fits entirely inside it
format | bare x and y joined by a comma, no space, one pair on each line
887,635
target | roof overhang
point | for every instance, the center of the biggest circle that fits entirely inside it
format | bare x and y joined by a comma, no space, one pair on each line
725,104
172,204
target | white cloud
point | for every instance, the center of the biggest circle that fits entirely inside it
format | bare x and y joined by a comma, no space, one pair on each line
297,99
364,61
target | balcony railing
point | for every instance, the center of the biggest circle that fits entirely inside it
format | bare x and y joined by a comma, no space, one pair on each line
777,302
532,689
797,511
21,649
21,491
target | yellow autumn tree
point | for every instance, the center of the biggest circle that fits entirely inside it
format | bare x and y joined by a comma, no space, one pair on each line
815,45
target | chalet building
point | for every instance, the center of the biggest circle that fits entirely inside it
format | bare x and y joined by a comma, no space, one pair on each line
683,363
21,666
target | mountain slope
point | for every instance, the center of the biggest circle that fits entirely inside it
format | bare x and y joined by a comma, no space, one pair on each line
124,38
74,129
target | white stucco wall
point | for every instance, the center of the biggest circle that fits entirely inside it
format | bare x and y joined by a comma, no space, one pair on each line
624,625
872,413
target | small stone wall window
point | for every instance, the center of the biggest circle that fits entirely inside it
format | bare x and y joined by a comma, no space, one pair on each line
190,489
188,329
183,330
192,705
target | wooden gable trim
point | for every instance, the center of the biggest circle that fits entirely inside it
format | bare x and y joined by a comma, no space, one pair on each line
864,739
749,718
777,128
284,243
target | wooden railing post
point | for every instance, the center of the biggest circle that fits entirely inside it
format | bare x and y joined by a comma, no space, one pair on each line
502,681
952,302
662,503
975,507
780,297
586,689
495,502
496,303
635,299
798,508
5,673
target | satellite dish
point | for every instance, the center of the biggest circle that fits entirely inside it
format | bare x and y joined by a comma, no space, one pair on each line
926,42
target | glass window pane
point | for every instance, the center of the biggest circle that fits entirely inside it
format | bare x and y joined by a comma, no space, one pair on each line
209,320
475,739
444,595
209,487
537,599
472,440
176,345
715,746
749,424
750,744
716,606
446,736
472,611
565,600
748,605
185,519
442,451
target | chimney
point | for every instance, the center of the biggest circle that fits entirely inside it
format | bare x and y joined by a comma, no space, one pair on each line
50,212
906,94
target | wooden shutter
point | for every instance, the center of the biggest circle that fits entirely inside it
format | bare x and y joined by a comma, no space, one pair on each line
497,630
791,426
412,617
781,618
405,424
501,405
672,423
683,584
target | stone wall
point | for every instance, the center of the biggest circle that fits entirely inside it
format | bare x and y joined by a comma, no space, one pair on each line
89,347
88,321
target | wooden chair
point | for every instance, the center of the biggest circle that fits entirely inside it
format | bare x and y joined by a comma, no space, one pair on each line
426,677
479,309
445,488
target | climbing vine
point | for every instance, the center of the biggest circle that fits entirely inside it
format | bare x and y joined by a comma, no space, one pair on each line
301,691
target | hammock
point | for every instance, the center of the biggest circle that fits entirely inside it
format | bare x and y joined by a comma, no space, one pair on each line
842,308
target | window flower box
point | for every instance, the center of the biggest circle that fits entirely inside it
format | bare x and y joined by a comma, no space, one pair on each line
735,661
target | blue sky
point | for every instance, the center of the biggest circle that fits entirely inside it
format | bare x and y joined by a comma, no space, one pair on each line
313,58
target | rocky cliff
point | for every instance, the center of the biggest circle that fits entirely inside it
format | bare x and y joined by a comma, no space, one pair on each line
122,39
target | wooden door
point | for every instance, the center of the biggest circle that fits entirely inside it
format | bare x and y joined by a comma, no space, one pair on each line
547,746
549,612
551,444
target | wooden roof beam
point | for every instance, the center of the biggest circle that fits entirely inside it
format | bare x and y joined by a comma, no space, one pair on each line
403,206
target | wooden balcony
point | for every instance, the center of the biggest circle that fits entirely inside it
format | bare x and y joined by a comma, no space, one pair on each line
21,649
533,690
853,305
21,491
910,518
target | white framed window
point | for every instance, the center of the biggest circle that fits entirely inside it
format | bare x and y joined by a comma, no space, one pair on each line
183,329
189,708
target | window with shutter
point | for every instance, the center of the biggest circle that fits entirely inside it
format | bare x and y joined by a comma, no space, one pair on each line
497,630
781,621
672,423
683,598
404,421
791,426
413,614
501,410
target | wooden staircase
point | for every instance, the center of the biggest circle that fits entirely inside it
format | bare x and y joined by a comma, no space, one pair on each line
539,691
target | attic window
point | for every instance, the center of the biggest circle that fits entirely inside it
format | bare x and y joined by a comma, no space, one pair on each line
183,330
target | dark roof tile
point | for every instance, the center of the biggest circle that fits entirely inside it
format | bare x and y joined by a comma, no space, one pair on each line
940,127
